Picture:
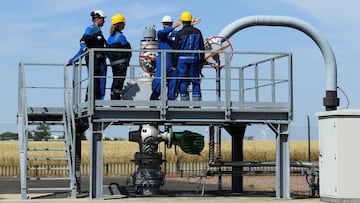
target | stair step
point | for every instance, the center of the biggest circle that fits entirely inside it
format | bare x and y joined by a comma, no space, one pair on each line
46,122
50,131
48,179
46,168
45,110
50,189
47,149
52,140
48,159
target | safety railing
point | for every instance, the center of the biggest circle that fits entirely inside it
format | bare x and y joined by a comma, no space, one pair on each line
250,82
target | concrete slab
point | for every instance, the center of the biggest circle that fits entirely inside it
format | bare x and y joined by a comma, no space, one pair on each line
172,191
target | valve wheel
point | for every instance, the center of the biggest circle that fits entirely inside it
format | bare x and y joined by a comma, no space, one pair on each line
218,45
147,58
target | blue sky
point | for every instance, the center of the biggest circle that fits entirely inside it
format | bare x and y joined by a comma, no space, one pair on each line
49,31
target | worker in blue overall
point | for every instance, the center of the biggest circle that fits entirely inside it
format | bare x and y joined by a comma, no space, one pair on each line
188,64
93,38
119,60
165,38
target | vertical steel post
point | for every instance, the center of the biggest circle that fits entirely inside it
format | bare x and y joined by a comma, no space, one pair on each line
91,82
308,132
218,155
96,161
163,85
211,146
237,133
282,162
218,130
22,130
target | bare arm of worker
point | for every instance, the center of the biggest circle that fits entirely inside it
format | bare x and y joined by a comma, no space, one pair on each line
177,24
195,21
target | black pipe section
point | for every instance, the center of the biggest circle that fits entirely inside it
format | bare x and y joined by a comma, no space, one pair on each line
237,133
331,101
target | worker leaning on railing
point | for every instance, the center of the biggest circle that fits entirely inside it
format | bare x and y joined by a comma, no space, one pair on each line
93,38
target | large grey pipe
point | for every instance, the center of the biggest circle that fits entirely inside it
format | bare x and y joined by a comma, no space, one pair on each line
330,101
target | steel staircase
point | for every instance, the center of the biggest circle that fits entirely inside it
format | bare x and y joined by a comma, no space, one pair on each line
60,169
43,162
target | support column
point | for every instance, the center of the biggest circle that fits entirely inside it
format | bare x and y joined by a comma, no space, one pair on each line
81,125
237,133
282,161
78,162
218,156
23,140
96,162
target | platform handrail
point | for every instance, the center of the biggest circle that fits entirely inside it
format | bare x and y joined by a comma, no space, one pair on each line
234,88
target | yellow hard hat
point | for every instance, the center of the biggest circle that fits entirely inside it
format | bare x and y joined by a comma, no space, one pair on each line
118,18
186,16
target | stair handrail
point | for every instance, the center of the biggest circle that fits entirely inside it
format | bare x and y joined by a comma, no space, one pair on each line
69,125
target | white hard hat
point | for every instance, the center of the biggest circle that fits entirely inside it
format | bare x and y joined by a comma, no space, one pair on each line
167,19
98,14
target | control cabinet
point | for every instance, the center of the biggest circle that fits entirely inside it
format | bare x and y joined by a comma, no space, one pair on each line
339,150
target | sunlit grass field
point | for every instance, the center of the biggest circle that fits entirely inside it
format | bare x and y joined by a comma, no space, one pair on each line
123,152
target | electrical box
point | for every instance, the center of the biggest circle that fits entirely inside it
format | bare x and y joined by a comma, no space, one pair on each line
339,150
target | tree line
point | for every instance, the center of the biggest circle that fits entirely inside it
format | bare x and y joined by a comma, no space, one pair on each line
42,133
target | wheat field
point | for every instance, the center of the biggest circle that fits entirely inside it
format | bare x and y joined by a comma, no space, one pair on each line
123,152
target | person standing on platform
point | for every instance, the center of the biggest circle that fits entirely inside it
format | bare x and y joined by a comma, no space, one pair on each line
119,60
165,38
93,38
188,64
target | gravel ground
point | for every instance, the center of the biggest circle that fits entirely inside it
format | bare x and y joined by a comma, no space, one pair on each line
257,188
267,183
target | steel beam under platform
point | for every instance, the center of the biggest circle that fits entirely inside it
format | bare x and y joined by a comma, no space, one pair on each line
235,96
186,114
277,121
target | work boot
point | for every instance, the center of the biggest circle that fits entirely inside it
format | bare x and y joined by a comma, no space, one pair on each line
184,97
116,96
196,97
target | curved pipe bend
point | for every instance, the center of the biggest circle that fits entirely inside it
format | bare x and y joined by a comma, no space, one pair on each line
331,101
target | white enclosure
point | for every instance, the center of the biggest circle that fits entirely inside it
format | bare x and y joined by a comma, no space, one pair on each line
339,145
